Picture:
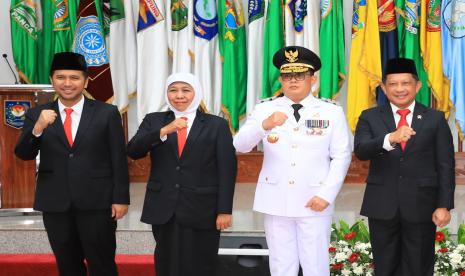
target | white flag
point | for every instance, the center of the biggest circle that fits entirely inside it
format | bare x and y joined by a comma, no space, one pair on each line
207,59
257,10
123,52
302,26
152,56
180,34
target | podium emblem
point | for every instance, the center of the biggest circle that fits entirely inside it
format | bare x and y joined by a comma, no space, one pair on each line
15,113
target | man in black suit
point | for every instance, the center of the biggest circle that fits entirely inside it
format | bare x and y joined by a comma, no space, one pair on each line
190,190
82,181
411,181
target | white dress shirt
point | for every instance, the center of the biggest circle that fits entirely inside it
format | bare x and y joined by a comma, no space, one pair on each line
75,115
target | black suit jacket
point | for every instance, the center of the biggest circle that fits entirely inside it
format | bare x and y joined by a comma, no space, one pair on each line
416,181
198,185
92,174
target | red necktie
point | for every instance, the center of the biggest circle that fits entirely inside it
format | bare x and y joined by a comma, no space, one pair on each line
182,135
403,122
67,126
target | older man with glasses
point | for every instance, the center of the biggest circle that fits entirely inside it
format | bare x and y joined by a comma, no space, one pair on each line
306,156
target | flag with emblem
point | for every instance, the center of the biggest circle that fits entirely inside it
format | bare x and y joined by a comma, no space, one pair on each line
64,21
388,38
365,60
122,51
332,50
26,25
89,41
302,25
273,40
256,27
207,59
408,24
430,45
152,57
180,34
234,55
453,52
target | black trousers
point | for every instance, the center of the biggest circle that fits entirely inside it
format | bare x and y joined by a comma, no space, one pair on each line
182,250
78,235
402,248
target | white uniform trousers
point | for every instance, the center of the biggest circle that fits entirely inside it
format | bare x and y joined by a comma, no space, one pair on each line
298,240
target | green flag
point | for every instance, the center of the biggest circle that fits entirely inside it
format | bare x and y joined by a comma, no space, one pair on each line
332,73
64,22
273,40
26,26
45,42
408,26
234,55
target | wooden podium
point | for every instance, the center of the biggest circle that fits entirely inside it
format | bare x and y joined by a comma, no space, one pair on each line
17,177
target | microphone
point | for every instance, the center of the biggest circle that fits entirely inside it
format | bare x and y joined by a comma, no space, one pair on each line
5,56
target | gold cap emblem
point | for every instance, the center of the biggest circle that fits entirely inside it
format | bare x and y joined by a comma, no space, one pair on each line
291,56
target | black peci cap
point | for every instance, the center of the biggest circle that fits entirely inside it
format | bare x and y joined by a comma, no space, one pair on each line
68,61
400,66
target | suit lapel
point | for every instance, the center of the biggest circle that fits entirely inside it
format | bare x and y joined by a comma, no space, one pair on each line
58,125
86,119
172,138
388,117
417,122
194,132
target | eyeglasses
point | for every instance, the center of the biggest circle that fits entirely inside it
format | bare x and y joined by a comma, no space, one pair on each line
297,76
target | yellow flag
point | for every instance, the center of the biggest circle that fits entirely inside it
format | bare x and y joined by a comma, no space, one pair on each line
430,45
365,60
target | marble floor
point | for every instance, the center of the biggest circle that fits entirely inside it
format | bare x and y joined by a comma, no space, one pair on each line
22,234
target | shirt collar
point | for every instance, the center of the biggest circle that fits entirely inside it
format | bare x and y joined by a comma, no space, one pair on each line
76,108
411,107
305,102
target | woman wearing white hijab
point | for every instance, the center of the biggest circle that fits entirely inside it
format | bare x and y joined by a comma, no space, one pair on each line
191,186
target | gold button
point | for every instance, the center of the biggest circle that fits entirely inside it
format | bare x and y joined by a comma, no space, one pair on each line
292,164
296,129
291,182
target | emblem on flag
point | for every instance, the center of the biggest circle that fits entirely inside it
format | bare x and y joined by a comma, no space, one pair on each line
256,10
178,15
386,16
28,15
149,14
205,19
15,112
454,17
299,11
411,16
433,19
326,7
89,41
356,24
61,18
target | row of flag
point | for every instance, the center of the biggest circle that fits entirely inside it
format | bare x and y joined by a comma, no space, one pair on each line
132,46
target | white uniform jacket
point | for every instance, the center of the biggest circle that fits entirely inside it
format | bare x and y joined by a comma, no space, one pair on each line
311,157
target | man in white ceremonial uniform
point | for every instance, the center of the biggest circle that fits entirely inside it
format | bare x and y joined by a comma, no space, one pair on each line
306,156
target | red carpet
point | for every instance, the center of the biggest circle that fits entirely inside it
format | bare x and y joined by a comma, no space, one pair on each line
44,265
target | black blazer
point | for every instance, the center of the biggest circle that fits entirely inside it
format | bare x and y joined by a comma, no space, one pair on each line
198,185
416,181
93,174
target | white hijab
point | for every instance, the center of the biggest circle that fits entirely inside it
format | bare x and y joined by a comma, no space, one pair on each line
198,93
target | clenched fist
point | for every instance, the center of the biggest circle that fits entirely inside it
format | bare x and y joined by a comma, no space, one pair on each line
178,123
276,119
402,134
46,118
